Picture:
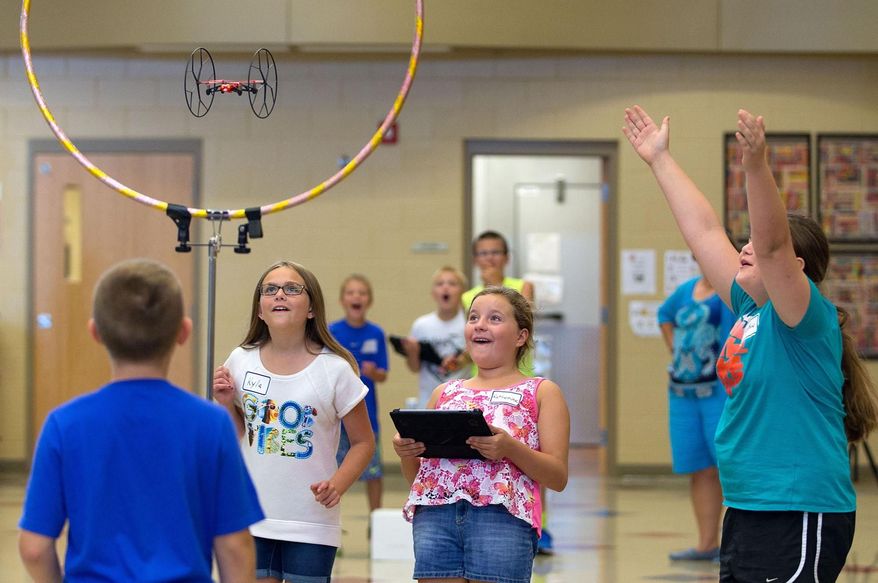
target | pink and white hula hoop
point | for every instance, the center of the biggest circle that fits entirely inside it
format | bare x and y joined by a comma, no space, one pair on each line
292,201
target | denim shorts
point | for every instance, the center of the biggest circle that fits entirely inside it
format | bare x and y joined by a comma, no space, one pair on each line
693,419
484,543
292,561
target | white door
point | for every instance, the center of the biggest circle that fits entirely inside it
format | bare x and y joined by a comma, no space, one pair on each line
552,211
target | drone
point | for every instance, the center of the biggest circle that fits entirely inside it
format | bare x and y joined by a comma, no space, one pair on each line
200,84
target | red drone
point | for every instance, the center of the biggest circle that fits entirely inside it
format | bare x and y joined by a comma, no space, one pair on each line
201,85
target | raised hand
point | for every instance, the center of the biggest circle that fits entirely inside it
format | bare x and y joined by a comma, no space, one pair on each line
648,140
223,387
751,137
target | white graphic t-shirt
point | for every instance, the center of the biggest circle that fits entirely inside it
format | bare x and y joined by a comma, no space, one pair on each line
291,431
446,336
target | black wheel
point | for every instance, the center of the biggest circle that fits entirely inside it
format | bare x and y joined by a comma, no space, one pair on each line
262,80
199,72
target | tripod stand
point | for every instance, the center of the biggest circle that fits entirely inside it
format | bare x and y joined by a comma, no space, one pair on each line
854,456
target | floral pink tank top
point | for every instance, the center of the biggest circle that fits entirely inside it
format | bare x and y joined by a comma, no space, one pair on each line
484,482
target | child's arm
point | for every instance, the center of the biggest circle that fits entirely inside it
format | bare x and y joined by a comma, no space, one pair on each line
408,449
359,430
235,556
412,353
224,394
373,371
39,557
698,222
527,290
376,366
781,271
667,329
548,466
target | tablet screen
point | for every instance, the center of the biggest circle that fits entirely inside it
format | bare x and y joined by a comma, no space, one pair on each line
443,432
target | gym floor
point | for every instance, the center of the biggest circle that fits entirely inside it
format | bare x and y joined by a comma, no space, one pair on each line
606,530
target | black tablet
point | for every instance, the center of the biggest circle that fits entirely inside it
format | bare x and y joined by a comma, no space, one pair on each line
443,432
428,352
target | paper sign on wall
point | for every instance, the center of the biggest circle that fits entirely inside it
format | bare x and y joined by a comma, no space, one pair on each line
638,271
544,252
680,267
643,318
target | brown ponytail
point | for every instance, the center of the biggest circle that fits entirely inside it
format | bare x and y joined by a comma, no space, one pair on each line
858,392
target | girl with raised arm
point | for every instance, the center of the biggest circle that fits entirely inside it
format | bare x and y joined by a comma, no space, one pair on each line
798,392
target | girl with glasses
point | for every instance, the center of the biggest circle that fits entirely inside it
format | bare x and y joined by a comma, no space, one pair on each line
289,387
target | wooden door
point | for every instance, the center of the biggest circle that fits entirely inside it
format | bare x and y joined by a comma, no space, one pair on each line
80,228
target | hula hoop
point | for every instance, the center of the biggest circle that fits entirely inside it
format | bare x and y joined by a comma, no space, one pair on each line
290,202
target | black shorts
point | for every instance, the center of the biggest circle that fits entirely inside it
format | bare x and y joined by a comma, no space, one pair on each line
761,547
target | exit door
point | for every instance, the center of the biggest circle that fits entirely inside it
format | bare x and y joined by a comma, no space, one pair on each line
552,210
79,229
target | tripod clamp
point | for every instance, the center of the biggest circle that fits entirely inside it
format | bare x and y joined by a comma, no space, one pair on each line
252,229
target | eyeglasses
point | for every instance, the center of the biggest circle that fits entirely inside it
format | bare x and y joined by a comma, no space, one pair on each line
490,253
290,289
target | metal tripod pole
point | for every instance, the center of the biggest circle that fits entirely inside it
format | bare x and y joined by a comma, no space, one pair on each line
213,248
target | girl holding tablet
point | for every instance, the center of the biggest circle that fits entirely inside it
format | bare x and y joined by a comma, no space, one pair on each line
463,510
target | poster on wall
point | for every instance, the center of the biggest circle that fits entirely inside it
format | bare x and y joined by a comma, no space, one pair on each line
852,284
638,272
680,267
643,318
789,156
847,187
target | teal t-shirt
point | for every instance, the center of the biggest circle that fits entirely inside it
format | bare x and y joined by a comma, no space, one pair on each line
780,443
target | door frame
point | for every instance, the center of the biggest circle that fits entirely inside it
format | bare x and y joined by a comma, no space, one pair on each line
608,152
37,147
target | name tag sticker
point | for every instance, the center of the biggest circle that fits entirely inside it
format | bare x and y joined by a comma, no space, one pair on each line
370,346
256,383
505,398
751,325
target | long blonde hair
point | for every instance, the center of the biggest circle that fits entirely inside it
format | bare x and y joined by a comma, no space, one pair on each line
316,330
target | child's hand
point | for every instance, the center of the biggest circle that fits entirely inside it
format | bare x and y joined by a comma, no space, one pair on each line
450,363
495,447
325,493
411,346
407,447
368,369
751,136
649,141
223,387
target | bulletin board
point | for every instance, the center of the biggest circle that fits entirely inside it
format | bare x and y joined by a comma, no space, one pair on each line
847,187
789,156
852,283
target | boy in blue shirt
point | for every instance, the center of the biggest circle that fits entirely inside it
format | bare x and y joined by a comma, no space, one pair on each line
367,344
148,477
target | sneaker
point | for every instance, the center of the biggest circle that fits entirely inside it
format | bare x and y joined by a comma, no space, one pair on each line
693,554
545,545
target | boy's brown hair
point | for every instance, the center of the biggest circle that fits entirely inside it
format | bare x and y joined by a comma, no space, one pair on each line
138,310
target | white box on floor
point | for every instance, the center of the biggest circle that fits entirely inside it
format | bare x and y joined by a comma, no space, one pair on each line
391,536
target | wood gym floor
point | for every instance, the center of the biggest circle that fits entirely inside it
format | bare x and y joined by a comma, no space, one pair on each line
606,530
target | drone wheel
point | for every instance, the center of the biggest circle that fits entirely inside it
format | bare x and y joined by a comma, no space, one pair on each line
199,70
262,76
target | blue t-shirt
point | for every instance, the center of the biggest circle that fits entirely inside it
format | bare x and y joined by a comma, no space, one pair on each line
366,343
700,329
147,475
780,443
